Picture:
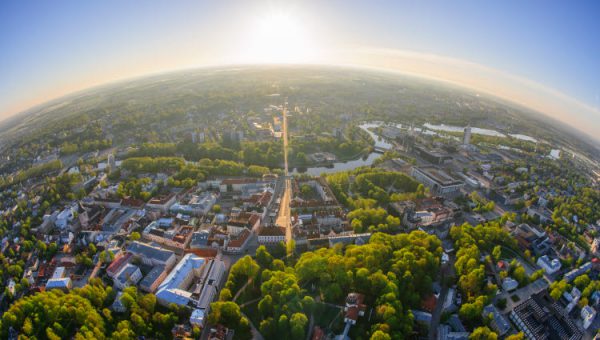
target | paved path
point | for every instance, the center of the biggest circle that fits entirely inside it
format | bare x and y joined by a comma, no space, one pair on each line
446,271
239,292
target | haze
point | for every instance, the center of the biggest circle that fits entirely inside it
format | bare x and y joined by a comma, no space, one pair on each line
541,55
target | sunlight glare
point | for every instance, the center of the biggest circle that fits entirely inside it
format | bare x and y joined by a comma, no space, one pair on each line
278,36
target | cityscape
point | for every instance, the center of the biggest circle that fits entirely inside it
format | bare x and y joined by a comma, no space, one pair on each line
292,199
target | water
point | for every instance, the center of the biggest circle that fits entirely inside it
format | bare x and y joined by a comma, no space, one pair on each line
479,131
380,143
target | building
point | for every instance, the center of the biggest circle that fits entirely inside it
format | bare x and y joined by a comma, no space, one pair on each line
437,180
539,317
162,202
129,275
176,237
570,276
435,156
117,264
509,284
118,305
588,314
354,307
196,206
247,186
549,266
238,244
498,322
151,255
153,279
65,217
63,284
179,286
271,234
243,221
197,318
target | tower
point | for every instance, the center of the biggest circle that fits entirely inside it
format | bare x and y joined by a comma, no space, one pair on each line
111,162
467,137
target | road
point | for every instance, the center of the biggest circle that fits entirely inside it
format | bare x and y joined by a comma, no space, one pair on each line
284,218
446,271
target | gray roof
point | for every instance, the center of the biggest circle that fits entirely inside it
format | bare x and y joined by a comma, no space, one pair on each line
500,322
152,276
199,239
125,274
146,250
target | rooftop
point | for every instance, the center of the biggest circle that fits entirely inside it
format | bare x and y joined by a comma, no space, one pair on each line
143,249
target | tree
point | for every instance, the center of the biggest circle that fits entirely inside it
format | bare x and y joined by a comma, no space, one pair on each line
225,295
520,275
263,258
226,313
483,333
135,236
216,208
298,324
518,336
497,252
379,335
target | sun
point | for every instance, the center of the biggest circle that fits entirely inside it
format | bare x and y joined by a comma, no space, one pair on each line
278,36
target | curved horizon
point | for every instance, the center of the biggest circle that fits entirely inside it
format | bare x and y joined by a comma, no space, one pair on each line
408,63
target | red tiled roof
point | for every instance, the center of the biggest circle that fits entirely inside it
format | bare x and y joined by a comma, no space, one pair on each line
429,303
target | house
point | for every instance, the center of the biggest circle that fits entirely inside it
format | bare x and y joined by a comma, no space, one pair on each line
239,243
129,275
63,284
549,266
570,276
509,284
117,264
244,220
498,322
588,314
354,307
118,305
162,202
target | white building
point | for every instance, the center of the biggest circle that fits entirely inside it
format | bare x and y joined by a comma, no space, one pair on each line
588,314
549,266
129,275
269,235
176,288
65,217
509,284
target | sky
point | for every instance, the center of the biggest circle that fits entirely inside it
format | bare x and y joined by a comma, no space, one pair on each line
541,54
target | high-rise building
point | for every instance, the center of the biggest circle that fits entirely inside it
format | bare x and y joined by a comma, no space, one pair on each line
467,137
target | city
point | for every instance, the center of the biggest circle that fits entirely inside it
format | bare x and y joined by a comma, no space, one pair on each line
325,170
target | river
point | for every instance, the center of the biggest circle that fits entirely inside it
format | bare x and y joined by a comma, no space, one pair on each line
349,165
